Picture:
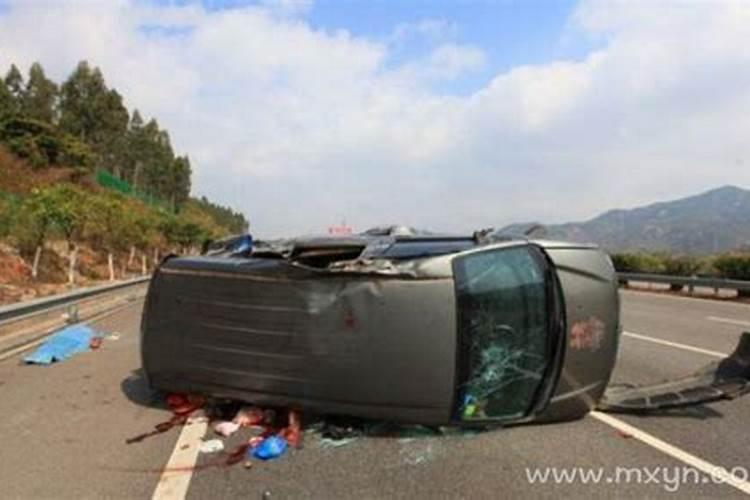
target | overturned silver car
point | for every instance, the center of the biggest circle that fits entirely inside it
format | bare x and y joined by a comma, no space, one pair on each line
390,324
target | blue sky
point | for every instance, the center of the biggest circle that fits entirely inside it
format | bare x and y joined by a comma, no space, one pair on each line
447,115
510,32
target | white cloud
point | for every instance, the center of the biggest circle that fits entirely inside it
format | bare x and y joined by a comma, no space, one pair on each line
451,60
288,7
434,30
302,127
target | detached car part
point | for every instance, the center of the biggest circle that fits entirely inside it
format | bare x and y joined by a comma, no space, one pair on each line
725,379
409,327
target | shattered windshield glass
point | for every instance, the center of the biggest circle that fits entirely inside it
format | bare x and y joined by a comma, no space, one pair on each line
503,329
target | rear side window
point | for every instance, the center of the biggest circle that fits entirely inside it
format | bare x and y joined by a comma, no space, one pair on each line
503,323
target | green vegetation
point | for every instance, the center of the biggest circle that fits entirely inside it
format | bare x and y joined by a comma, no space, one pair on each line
731,265
734,266
76,165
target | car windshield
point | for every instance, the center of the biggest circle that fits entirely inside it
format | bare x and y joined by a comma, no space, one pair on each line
503,332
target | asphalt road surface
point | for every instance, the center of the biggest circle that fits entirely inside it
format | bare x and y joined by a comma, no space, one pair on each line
64,427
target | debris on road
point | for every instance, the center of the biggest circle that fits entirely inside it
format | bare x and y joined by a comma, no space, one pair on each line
211,446
269,433
419,455
182,404
270,448
62,345
724,379
623,434
96,342
293,431
336,443
225,429
340,429
248,415
182,407
160,428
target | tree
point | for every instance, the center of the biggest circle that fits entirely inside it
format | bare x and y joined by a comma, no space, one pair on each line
42,144
179,189
135,151
79,96
10,96
234,222
734,266
109,226
6,217
159,159
110,140
34,222
14,83
95,114
7,104
68,213
39,98
145,232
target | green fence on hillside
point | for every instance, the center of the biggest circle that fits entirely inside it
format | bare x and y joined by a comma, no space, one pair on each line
109,181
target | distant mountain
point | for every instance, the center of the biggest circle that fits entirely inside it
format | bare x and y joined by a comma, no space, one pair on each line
711,222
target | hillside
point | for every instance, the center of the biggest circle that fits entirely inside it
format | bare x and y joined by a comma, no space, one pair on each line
88,189
712,222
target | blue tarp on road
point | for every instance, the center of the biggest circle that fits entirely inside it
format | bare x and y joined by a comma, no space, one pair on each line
62,345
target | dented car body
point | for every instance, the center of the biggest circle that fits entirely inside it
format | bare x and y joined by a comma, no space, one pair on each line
414,327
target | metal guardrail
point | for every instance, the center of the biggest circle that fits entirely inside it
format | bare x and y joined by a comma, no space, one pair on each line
689,281
21,309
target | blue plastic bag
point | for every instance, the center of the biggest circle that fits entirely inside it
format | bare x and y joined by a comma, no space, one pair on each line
271,447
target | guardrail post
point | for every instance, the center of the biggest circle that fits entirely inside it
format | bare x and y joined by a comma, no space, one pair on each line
71,316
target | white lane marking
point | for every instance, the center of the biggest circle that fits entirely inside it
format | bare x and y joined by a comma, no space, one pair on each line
175,479
719,474
728,320
685,347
